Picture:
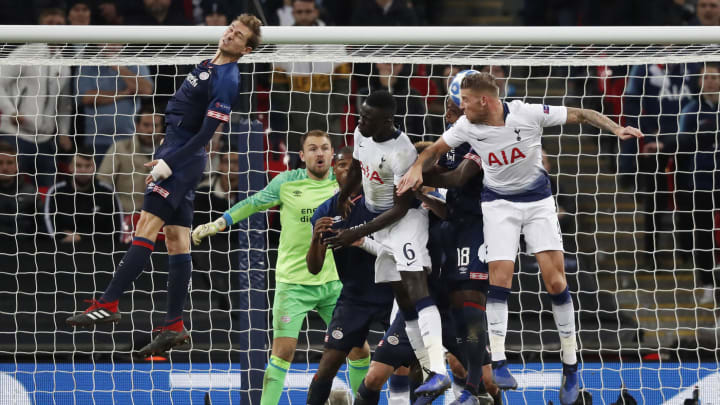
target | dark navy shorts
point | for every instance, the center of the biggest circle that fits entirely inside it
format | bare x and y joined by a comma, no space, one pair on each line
394,349
351,322
463,268
173,199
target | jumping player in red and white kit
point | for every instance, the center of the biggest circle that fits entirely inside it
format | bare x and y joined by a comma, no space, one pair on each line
516,199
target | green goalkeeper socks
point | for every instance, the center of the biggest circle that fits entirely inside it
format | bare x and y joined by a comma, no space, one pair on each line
274,380
357,370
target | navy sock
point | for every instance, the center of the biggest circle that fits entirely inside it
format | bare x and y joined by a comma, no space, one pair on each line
366,396
474,344
130,267
179,270
319,391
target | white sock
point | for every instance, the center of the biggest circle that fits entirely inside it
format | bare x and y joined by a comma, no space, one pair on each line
431,328
457,389
565,322
397,397
497,317
412,328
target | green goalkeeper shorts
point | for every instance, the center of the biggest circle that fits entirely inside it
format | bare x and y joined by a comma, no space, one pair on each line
293,302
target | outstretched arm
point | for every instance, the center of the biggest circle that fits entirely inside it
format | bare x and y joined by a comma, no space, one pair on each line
413,179
348,236
598,120
262,200
453,178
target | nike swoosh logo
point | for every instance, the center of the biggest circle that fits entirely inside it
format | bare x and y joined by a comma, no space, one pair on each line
564,324
481,140
411,263
495,323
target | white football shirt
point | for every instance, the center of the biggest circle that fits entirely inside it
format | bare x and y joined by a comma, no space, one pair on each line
512,154
383,165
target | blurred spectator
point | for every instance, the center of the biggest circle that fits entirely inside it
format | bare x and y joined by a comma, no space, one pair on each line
159,12
697,179
707,12
383,13
35,105
110,12
108,97
79,12
17,200
214,256
215,12
654,97
283,13
124,169
410,115
82,213
308,95
500,73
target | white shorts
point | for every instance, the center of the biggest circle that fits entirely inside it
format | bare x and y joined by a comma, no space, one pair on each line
405,244
504,221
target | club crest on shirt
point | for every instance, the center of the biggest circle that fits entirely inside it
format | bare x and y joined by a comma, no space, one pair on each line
204,75
393,340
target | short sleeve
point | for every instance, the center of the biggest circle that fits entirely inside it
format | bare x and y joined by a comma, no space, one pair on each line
356,144
402,162
545,115
453,136
224,91
324,210
471,155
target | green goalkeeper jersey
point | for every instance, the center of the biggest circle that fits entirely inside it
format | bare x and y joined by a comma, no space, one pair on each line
298,196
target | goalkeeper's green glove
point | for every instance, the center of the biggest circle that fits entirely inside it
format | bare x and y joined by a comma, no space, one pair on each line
209,229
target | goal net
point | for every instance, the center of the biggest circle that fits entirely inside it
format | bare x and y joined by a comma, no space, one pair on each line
639,218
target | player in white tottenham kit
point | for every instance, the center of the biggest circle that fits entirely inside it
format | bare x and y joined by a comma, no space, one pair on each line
516,199
382,154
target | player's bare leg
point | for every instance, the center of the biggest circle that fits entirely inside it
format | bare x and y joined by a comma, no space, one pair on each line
501,275
370,388
552,268
332,359
135,260
173,332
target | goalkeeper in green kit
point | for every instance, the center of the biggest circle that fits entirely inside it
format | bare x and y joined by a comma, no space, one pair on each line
298,193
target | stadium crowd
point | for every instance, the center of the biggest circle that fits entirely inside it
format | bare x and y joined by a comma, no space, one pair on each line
87,136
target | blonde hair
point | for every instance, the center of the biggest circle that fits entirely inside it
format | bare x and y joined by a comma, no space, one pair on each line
254,24
483,82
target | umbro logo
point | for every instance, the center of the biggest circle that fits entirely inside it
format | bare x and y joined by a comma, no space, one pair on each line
297,193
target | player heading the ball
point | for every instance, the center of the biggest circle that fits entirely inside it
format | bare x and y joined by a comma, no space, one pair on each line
516,199
201,104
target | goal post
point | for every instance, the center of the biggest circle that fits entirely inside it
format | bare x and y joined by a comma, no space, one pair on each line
638,221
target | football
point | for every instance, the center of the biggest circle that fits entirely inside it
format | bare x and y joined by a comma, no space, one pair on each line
454,88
